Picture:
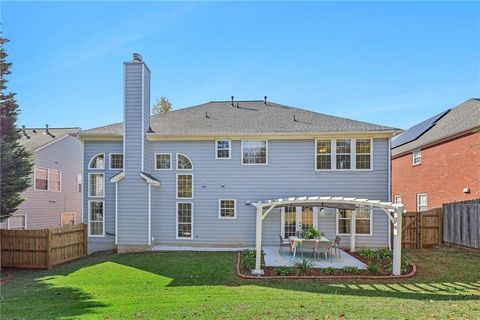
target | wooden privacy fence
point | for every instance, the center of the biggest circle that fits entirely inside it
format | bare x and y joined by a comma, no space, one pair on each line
42,248
422,229
461,223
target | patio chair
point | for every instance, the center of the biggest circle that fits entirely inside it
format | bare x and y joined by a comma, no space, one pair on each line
299,234
325,247
284,242
336,246
309,245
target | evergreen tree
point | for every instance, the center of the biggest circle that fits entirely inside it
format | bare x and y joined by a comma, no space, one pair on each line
162,105
15,161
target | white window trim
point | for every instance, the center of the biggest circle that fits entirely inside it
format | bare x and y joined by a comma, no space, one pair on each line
91,159
255,164
35,178
176,186
395,197
176,162
356,234
163,153
176,221
333,155
81,183
68,212
298,215
89,178
418,201
110,161
103,221
18,215
229,149
419,152
220,209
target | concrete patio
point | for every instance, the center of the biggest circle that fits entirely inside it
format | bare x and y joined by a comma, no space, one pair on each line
273,258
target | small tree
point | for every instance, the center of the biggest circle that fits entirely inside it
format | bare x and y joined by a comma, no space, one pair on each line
15,161
162,106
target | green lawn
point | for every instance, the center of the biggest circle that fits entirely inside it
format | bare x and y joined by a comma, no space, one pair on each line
185,285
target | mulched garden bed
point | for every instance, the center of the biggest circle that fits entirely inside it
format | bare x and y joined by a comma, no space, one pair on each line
340,274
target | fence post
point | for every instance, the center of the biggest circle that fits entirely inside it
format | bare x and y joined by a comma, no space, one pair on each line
85,239
49,249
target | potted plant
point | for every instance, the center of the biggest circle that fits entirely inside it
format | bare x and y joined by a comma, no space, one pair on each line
311,233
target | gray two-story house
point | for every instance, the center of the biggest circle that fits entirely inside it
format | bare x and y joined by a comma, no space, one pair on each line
189,177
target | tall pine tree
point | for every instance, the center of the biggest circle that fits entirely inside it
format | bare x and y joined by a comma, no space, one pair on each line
15,162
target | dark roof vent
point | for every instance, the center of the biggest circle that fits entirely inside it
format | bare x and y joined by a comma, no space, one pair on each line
265,100
48,132
137,57
206,115
232,97
25,133
295,118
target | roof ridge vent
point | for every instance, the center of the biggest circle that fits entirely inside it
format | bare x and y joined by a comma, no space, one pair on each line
24,132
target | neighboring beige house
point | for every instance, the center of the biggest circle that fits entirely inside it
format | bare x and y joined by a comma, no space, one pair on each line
54,198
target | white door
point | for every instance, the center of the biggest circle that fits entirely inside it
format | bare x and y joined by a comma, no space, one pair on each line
298,218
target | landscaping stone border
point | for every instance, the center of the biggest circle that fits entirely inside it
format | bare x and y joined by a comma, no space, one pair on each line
342,277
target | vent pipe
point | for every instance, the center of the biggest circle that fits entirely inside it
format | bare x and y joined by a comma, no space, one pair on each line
232,97
265,100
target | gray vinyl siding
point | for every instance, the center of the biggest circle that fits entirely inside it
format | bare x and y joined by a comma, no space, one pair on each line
290,172
43,208
91,148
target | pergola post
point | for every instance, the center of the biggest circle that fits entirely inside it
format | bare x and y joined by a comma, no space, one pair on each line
258,242
397,241
353,230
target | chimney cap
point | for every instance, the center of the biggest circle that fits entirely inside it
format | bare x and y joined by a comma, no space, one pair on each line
137,57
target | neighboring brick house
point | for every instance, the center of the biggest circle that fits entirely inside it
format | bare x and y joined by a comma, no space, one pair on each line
438,160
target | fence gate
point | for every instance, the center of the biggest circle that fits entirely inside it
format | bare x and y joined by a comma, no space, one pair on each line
422,229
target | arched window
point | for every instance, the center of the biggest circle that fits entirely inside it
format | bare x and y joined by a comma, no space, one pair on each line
97,162
183,162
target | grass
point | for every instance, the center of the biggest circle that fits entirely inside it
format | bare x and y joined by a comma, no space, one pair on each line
184,285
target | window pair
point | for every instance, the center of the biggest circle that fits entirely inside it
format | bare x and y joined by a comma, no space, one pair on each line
163,161
48,179
98,161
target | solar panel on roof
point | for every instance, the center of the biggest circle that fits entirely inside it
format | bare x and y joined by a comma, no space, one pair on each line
417,130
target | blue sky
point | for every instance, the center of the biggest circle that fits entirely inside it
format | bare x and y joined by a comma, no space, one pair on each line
388,63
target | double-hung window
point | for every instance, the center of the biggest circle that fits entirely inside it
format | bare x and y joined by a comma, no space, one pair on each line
422,204
96,184
17,222
397,199
324,154
79,183
96,218
116,161
48,179
227,209
363,221
222,149
343,149
363,151
254,152
41,178
54,180
416,157
184,220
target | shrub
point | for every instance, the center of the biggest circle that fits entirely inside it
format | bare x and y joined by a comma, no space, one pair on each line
367,253
403,266
351,269
283,270
373,268
311,233
304,266
248,259
329,271
383,254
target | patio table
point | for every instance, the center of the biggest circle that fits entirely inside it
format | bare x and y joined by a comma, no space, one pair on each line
296,241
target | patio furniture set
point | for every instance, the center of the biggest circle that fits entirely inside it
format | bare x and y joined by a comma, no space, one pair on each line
320,245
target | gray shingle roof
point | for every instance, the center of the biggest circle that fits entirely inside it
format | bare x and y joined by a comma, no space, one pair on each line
465,116
249,117
34,138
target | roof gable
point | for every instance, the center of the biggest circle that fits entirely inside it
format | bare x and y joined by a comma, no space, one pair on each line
35,138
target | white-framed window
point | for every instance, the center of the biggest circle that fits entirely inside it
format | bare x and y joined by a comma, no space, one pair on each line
222,149
17,222
227,209
41,178
96,218
422,202
397,199
345,154
116,161
79,183
363,221
54,180
163,161
96,185
416,157
184,220
363,150
324,154
184,162
67,219
97,162
254,152
184,186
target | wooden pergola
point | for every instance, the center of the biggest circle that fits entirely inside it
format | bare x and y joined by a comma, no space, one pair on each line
393,211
